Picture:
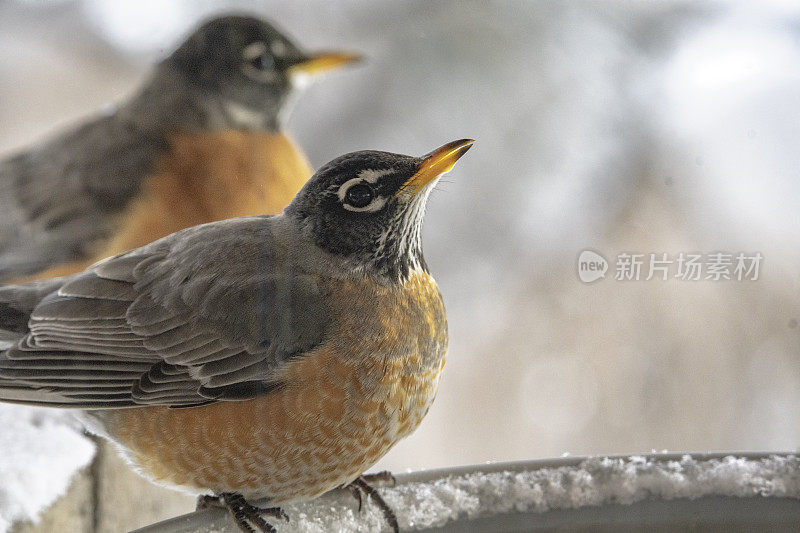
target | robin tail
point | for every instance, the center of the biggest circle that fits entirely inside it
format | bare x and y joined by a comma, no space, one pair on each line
17,303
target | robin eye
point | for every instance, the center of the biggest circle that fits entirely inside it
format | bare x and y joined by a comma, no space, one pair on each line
257,57
263,62
359,195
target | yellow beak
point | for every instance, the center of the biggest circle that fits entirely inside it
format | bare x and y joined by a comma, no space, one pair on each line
322,62
437,163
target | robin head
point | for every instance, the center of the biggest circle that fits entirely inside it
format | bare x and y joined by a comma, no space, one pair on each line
248,66
367,207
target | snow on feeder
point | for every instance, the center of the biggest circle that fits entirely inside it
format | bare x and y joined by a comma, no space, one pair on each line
722,491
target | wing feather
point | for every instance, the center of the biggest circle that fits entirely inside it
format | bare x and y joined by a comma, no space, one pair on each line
176,323
95,287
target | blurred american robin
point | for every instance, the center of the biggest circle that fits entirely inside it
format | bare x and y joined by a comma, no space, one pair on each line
272,357
201,141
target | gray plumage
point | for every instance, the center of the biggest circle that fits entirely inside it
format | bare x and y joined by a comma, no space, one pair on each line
167,324
60,200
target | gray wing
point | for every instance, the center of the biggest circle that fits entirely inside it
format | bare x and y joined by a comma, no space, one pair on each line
59,199
210,313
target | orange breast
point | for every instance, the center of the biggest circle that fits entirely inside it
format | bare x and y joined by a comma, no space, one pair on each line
343,407
204,177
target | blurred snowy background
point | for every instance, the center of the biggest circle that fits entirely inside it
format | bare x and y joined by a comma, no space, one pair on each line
642,127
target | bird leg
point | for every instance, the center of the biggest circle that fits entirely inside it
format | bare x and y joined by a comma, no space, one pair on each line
247,516
383,476
360,485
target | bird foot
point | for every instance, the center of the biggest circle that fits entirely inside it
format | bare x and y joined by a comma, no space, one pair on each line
248,517
360,485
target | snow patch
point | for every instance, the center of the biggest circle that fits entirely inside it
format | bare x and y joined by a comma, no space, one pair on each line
40,452
595,481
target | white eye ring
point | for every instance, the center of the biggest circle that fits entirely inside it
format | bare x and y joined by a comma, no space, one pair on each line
376,204
251,52
278,48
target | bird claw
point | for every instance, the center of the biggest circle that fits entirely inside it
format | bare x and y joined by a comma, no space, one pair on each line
207,501
274,512
247,516
359,485
356,492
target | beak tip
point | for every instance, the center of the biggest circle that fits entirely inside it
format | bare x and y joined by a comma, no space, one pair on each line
357,58
451,151
460,147
326,61
461,143
466,144
441,160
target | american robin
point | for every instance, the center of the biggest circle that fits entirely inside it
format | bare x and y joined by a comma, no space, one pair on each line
201,141
272,357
